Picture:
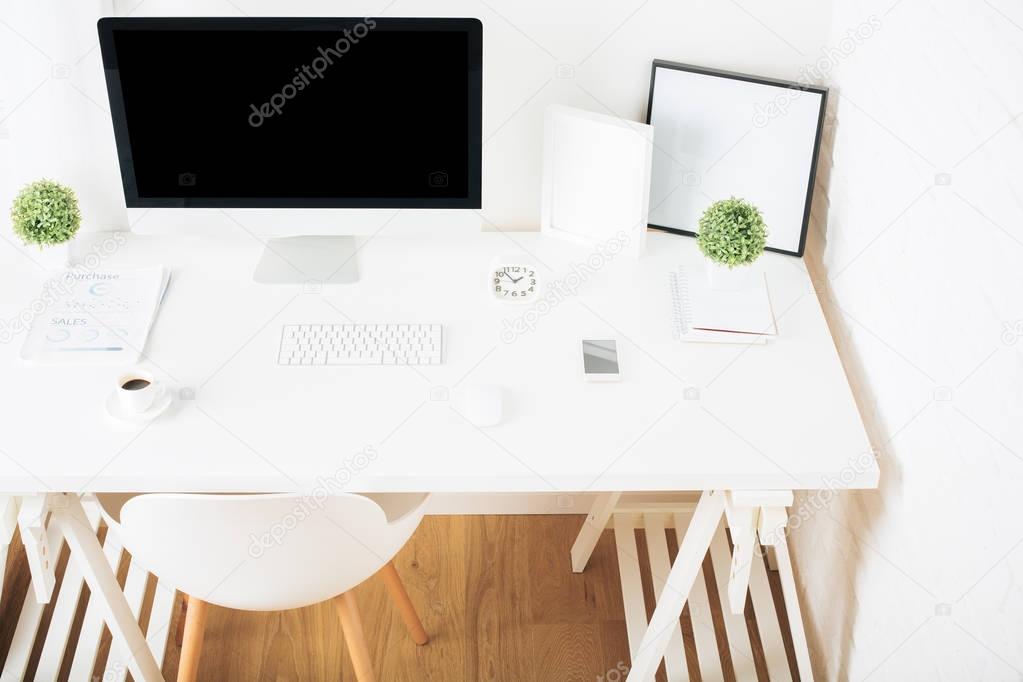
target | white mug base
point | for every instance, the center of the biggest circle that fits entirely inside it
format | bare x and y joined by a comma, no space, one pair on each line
115,408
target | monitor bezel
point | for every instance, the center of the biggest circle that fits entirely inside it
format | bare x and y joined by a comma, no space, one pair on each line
472,27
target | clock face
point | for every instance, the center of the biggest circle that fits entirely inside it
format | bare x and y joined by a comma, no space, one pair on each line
514,283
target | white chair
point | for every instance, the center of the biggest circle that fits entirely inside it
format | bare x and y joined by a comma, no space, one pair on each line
269,553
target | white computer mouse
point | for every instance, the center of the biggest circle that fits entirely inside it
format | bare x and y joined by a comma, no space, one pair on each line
483,405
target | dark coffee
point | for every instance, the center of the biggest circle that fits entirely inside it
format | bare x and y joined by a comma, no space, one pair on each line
134,384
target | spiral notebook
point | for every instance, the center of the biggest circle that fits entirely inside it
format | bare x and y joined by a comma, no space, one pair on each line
701,314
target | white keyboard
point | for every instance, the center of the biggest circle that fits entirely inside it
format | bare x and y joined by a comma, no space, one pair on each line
360,344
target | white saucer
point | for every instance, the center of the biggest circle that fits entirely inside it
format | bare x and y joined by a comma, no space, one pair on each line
160,403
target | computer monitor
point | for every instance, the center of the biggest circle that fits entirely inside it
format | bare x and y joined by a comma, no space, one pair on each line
297,113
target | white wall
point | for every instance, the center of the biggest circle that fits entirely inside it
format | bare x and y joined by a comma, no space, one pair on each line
54,117
603,49
918,248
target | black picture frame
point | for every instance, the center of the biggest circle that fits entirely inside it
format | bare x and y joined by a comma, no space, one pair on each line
473,28
760,80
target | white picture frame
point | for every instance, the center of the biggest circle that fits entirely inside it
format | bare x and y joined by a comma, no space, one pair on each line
596,177
720,134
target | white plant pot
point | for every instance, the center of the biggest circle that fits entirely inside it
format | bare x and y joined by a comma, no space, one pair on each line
53,256
723,278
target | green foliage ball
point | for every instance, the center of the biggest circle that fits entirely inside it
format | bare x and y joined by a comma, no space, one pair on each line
732,232
45,212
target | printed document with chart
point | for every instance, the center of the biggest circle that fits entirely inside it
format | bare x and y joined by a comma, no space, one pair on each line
98,317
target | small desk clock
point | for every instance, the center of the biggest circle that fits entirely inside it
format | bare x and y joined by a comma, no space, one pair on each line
513,279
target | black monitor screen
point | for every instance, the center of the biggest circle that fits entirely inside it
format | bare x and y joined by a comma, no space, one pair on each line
367,112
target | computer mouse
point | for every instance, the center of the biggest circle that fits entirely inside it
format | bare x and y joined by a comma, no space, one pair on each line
483,405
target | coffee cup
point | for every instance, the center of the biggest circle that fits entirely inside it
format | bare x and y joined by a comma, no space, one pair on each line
136,390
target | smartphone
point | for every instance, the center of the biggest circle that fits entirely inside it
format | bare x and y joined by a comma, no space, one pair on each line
600,360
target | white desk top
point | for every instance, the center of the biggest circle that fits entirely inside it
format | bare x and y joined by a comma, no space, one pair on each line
779,416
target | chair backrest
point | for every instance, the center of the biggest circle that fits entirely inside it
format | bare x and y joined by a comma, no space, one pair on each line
265,552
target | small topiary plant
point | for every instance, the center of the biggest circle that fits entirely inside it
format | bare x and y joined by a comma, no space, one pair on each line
45,212
732,232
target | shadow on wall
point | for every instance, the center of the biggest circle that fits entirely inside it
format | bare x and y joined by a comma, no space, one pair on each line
863,506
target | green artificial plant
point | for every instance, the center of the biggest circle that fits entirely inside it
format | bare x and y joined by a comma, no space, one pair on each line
45,212
732,232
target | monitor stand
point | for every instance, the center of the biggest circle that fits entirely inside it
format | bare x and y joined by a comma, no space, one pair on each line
311,259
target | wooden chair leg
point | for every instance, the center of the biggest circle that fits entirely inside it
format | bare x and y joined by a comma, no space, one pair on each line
191,646
355,638
396,588
179,633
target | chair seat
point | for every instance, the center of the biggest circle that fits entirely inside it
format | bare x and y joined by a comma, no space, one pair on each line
110,505
263,552
397,505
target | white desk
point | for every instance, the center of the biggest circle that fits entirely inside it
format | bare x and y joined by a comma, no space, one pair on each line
779,416
702,417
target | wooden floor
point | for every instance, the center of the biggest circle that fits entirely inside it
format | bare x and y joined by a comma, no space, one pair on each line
496,594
